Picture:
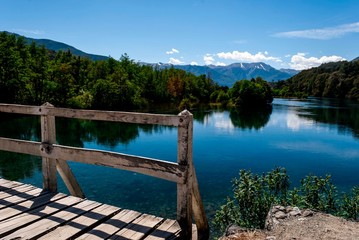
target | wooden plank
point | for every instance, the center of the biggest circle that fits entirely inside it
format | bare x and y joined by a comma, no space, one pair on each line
126,117
25,206
31,192
45,225
48,135
169,228
15,191
12,224
69,179
20,146
83,223
184,158
21,109
138,228
199,215
149,166
6,185
111,226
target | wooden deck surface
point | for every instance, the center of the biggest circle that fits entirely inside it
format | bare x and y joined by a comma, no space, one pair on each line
28,212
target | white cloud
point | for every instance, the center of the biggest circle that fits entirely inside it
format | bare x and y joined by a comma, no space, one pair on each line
300,61
220,64
194,63
248,57
208,59
175,61
322,33
173,51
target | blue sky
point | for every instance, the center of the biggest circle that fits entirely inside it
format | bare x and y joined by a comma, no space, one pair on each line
295,34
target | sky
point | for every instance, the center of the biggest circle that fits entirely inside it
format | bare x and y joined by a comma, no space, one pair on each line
296,34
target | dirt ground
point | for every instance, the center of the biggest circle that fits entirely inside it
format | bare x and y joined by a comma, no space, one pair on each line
315,227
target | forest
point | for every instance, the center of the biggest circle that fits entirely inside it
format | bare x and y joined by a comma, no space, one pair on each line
333,80
32,74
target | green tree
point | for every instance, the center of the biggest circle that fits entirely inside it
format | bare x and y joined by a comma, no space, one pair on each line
248,93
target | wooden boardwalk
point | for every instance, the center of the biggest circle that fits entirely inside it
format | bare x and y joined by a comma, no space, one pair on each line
28,212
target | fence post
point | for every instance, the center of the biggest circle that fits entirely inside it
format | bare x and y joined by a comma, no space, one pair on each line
199,214
48,136
184,157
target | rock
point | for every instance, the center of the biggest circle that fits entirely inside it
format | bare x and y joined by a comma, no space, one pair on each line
280,215
233,229
276,208
288,209
295,212
308,213
271,238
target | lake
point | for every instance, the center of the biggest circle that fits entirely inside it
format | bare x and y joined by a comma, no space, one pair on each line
315,136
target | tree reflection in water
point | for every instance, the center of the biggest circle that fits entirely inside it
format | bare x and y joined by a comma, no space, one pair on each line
249,118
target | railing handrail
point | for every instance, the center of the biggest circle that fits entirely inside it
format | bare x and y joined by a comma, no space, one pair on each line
55,156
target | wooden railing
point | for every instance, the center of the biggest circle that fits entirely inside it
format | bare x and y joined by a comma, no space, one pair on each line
54,156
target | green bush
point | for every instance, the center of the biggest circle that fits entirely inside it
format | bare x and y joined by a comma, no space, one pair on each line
350,205
253,195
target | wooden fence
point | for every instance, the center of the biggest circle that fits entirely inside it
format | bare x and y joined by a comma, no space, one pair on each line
54,156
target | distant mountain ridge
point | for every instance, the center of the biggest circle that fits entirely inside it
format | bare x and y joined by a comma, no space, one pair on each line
223,75
228,75
59,46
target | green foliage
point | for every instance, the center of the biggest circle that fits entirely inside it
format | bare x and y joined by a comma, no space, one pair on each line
253,195
30,74
318,193
255,92
334,80
350,205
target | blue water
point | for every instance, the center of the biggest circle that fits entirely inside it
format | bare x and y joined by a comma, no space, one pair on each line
315,136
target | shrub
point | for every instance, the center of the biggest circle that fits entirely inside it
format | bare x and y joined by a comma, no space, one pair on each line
253,195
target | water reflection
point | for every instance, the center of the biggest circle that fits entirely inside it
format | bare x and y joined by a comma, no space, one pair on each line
344,114
250,118
14,166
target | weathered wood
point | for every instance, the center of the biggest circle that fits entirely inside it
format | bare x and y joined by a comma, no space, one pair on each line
157,168
20,146
25,206
28,193
57,216
39,228
149,166
21,109
111,226
15,190
199,214
48,135
69,179
184,158
80,224
24,219
55,156
167,229
127,117
138,228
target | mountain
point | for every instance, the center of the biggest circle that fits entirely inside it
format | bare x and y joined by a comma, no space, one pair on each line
332,80
355,59
223,75
57,46
228,75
